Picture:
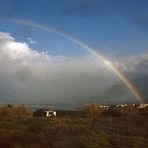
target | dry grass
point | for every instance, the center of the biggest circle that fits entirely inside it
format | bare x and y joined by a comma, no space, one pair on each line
127,130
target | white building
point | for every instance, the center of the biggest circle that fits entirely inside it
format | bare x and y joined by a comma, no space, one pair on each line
50,113
142,105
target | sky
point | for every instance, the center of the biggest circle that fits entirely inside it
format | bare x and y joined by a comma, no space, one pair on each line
103,24
37,66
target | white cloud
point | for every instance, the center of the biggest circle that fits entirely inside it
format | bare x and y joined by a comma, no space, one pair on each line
29,76
5,37
12,50
31,41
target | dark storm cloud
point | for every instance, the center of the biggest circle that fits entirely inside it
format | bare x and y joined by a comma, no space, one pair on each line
135,66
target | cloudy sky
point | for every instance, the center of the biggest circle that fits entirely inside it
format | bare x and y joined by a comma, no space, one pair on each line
40,67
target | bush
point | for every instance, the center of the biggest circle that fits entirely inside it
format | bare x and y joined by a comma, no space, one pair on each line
39,113
15,111
143,111
93,110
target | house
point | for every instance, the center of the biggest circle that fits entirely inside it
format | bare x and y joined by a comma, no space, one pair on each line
121,105
50,113
104,106
143,105
44,113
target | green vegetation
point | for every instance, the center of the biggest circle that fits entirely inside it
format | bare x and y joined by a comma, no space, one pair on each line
128,129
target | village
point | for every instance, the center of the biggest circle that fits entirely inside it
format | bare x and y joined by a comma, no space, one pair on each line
49,112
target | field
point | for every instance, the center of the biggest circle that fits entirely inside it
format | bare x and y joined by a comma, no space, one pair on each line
74,132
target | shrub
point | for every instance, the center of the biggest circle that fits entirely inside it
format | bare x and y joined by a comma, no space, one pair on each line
93,110
15,111
39,113
143,111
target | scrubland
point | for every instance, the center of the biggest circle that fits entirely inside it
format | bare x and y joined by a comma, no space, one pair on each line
98,129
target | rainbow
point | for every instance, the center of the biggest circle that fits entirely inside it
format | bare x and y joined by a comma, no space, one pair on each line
92,51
